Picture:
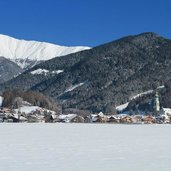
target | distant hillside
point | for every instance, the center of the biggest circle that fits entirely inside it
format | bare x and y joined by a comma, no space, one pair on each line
12,98
102,77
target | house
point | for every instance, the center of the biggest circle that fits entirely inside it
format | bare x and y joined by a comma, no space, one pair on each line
136,119
8,120
78,119
113,119
2,117
65,118
35,118
6,110
166,114
160,119
87,119
126,119
101,118
48,118
149,119
16,118
166,111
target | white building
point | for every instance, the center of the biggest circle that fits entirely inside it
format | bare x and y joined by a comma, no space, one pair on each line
166,113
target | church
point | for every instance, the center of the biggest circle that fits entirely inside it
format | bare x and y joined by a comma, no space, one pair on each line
160,111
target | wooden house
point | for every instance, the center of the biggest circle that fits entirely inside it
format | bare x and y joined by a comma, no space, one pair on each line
149,119
126,119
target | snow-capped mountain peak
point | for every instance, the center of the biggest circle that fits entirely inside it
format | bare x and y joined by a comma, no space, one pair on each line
25,52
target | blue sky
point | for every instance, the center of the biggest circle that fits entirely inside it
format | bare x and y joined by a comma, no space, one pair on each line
83,22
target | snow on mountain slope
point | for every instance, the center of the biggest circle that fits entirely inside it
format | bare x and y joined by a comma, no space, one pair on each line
122,106
45,71
74,87
24,52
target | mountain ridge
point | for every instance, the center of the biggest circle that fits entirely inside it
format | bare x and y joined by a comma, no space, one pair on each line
27,54
22,51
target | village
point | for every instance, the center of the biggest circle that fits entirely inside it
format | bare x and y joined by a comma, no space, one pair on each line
34,114
43,116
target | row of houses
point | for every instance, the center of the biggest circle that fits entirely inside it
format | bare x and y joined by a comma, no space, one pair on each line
49,117
133,119
31,114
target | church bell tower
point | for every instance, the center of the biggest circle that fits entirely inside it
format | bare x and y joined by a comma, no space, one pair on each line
156,103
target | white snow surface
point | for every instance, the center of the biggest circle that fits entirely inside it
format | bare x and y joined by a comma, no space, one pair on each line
39,71
57,71
160,87
67,118
71,88
141,94
122,107
45,71
31,109
146,92
1,100
27,109
15,50
85,147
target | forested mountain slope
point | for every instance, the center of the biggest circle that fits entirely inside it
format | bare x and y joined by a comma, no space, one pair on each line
104,76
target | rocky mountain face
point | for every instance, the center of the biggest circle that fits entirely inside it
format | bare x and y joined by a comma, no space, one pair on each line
8,70
102,77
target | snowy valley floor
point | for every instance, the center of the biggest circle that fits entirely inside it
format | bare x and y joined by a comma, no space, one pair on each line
85,147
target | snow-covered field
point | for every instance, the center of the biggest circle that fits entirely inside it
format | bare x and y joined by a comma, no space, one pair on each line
85,147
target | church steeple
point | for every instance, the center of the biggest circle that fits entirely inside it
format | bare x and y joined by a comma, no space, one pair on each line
156,103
